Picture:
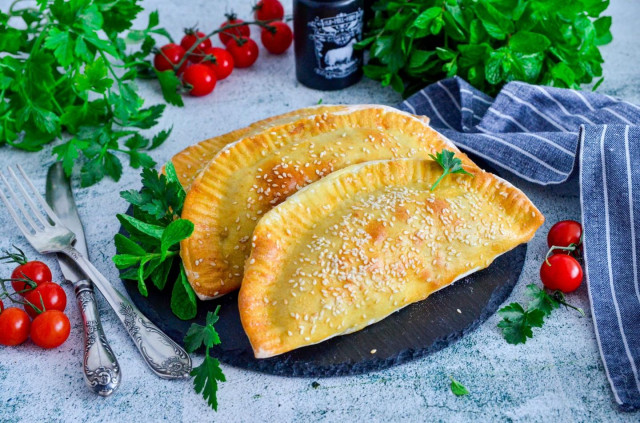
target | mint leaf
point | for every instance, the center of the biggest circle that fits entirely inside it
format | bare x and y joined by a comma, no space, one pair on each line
174,233
528,42
183,299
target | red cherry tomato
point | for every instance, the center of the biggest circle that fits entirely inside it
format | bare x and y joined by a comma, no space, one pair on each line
238,31
201,78
266,10
244,55
49,294
1,306
14,326
279,41
35,270
190,39
562,272
50,329
174,53
563,234
223,64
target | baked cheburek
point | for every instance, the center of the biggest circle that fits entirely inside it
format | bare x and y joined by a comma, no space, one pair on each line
249,177
368,240
190,161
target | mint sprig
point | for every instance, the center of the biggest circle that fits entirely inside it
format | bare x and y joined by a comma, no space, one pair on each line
151,248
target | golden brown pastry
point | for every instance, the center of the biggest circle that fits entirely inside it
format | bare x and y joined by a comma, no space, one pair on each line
251,176
366,241
190,161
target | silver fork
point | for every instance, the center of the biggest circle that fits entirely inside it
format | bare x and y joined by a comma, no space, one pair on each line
165,357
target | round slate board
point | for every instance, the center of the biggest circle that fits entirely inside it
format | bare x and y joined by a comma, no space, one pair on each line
415,331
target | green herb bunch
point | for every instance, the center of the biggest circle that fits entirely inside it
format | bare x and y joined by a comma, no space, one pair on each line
151,249
487,42
64,68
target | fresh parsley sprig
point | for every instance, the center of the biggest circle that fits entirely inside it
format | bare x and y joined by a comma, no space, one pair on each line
449,164
487,42
208,374
154,230
517,321
65,73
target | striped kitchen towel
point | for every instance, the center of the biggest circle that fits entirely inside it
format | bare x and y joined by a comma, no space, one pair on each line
541,134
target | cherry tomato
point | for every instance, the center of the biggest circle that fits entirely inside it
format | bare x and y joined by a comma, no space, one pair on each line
189,39
201,78
1,306
223,64
244,55
174,53
35,270
238,31
562,273
278,42
14,326
563,234
49,294
50,329
266,10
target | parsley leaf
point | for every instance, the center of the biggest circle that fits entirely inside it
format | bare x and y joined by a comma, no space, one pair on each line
208,374
413,43
449,163
154,230
65,73
517,322
457,388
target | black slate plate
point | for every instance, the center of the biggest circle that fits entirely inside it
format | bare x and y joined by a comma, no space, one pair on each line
415,331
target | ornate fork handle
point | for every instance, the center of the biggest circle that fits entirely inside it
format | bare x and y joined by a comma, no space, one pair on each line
164,356
100,366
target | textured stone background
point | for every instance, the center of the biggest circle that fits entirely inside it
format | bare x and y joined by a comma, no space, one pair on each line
556,376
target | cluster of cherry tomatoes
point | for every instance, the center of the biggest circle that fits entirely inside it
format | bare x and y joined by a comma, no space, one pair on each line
43,301
201,64
561,271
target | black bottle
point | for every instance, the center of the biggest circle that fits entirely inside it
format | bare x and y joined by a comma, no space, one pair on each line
324,34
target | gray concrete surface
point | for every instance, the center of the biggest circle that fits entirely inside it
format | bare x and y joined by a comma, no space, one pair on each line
556,376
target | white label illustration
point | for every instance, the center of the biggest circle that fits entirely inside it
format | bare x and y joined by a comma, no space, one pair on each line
333,39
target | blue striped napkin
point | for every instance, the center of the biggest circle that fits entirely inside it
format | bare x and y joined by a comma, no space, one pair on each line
537,133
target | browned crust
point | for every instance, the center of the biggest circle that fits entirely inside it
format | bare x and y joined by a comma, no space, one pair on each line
204,204
280,229
190,161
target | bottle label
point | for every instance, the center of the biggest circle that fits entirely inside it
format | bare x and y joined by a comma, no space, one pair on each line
333,40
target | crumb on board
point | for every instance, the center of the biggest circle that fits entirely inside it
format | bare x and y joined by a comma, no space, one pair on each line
458,310
373,351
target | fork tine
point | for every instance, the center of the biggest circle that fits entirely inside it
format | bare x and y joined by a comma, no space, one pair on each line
18,202
28,200
13,214
45,206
